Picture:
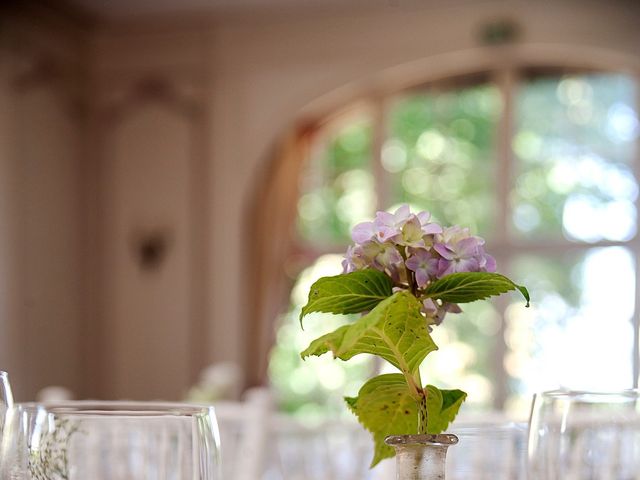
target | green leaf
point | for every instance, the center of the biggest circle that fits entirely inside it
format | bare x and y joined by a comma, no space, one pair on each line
353,292
442,408
472,286
385,406
394,330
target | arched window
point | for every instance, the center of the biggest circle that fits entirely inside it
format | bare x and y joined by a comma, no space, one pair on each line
540,162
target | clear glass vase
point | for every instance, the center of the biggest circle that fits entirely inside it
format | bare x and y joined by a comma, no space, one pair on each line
421,457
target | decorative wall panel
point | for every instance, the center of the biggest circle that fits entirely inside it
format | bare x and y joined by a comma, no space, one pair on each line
146,237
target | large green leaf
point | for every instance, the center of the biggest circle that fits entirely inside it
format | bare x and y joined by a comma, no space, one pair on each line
353,292
442,408
472,286
385,406
394,330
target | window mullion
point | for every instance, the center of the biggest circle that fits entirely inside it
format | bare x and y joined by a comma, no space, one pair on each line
636,250
381,178
505,80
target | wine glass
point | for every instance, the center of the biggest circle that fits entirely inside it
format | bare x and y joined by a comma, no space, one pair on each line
585,435
110,441
6,397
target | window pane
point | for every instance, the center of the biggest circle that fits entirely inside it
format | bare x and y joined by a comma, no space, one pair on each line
578,331
440,155
574,151
337,185
464,358
315,387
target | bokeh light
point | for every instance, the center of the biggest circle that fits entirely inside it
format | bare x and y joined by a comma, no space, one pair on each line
447,140
313,388
337,186
578,332
574,149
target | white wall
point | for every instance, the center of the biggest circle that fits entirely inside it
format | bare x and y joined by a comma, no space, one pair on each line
149,112
40,209
146,186
243,81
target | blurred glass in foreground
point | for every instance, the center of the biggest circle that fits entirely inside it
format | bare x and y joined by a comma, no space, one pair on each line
109,441
582,435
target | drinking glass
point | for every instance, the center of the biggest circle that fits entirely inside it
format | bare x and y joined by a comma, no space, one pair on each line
488,450
109,441
585,436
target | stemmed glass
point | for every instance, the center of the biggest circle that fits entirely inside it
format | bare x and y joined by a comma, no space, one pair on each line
110,441
6,397
585,436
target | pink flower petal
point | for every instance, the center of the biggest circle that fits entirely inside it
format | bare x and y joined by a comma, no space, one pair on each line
490,263
444,251
402,214
362,232
431,229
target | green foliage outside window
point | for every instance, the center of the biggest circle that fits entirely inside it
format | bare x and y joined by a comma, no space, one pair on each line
573,184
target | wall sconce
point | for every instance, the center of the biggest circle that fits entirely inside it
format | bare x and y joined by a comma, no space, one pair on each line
150,248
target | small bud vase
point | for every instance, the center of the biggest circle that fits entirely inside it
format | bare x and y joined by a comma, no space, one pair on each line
421,457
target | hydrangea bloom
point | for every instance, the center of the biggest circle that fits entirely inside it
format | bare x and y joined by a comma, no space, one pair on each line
414,251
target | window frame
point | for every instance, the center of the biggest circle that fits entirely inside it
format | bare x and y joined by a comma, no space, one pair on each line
507,78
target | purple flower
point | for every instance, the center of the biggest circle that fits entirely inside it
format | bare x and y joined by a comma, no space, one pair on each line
382,256
458,257
405,228
411,233
428,228
401,227
389,225
429,307
487,262
461,252
402,214
353,259
423,264
376,230
362,232
435,312
452,234
430,251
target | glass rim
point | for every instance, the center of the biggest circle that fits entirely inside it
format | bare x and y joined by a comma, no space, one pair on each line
564,393
443,439
126,408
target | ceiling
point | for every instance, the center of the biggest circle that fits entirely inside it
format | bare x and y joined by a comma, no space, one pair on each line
128,8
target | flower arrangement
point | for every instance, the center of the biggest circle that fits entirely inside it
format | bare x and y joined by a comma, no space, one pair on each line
404,273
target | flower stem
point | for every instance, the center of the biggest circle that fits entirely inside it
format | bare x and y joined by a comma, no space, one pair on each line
422,415
414,285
